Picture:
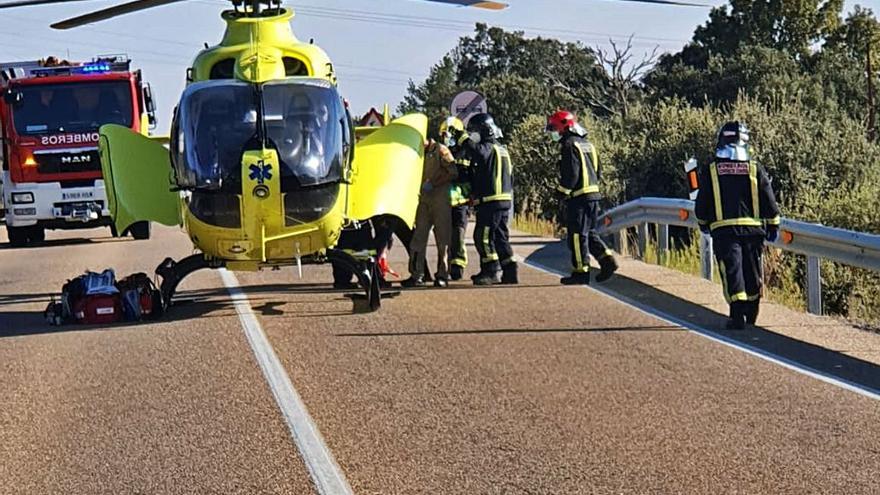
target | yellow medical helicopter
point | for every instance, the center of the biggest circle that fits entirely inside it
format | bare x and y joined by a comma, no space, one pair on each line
262,168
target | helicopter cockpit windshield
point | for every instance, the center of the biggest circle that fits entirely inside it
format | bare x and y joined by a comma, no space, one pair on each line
304,120
305,124
216,122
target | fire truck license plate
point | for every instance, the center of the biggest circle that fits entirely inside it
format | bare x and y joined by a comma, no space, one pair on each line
76,195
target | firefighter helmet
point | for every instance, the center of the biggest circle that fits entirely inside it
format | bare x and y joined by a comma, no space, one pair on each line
733,142
561,121
450,128
484,124
451,123
735,132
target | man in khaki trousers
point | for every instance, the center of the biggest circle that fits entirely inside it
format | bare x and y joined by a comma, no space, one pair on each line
434,211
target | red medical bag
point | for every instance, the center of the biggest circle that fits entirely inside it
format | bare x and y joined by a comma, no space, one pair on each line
97,309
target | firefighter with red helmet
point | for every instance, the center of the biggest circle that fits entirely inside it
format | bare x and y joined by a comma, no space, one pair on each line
736,204
579,187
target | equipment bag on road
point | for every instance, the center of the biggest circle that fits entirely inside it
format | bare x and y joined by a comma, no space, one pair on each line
91,298
141,299
96,298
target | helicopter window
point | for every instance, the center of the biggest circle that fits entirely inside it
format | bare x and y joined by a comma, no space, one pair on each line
224,69
304,121
294,67
217,122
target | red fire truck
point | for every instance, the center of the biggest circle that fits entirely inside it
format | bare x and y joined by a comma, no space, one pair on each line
50,112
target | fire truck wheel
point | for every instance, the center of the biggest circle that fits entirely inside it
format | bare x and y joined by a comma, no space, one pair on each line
18,236
140,230
36,235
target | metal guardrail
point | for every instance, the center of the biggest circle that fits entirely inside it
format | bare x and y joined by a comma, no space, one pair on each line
814,241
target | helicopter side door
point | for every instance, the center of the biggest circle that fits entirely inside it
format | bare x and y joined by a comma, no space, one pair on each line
136,173
387,170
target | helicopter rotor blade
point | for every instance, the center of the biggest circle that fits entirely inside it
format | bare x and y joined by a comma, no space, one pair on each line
480,4
668,2
111,12
26,3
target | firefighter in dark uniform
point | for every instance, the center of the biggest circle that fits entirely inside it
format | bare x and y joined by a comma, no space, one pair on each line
736,205
365,238
356,238
579,187
459,192
491,194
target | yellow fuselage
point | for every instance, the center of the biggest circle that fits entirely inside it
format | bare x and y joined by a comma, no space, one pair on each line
264,49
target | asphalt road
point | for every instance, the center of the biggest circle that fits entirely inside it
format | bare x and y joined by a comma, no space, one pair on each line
536,388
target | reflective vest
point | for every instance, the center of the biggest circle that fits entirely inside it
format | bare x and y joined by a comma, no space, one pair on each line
579,168
736,193
493,180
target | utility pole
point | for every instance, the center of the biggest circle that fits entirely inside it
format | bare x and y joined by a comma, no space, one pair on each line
871,111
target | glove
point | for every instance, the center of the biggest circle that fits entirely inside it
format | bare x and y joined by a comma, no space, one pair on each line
427,187
772,233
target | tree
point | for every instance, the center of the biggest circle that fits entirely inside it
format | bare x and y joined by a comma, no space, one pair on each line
514,73
432,96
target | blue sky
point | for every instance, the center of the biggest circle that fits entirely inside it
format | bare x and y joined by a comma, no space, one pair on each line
377,45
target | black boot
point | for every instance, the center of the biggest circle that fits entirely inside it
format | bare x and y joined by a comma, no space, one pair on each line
343,285
489,275
607,267
413,282
456,272
440,282
751,311
577,278
737,320
510,274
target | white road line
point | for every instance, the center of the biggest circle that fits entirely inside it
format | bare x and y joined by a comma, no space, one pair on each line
721,339
326,475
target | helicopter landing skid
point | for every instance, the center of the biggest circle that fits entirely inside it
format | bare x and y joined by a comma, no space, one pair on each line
367,273
172,272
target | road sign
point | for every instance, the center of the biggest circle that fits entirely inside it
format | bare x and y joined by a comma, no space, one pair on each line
467,104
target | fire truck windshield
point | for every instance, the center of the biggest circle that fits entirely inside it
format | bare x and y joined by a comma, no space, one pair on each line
72,107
